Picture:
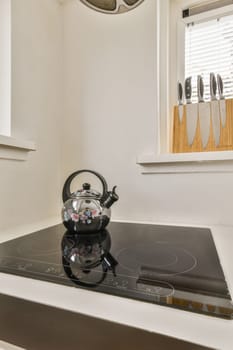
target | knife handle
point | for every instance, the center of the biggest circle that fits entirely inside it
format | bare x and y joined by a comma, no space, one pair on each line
180,94
200,89
220,87
188,89
213,87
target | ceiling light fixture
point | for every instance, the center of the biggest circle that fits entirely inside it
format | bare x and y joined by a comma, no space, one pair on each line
112,6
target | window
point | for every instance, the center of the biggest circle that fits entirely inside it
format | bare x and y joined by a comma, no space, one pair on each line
207,31
171,39
209,48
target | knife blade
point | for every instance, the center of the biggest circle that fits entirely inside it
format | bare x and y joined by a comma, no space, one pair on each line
204,113
180,101
214,109
222,102
191,112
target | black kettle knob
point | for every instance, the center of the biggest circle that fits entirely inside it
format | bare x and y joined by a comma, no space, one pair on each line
86,186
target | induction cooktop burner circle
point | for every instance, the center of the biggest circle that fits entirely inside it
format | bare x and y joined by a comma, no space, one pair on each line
162,257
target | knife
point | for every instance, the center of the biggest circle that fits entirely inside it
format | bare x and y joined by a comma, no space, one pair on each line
214,109
180,101
191,112
204,112
222,102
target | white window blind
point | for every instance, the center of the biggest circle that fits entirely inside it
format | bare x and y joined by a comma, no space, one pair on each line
209,48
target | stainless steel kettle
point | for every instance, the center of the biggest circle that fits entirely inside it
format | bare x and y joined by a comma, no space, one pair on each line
87,210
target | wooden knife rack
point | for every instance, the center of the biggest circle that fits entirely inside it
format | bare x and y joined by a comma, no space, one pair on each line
180,140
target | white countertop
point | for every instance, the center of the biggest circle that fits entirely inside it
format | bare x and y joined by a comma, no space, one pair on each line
200,329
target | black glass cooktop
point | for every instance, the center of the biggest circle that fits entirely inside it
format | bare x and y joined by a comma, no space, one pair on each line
168,265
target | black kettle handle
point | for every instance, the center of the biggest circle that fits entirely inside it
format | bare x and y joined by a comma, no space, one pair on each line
66,194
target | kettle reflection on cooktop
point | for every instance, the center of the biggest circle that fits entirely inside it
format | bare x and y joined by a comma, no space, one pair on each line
86,258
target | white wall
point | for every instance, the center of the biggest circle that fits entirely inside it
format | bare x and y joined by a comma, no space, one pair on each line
30,190
109,87
5,69
110,114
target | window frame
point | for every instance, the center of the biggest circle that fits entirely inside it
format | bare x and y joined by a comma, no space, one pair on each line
10,147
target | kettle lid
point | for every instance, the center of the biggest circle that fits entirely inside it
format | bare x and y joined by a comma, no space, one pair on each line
87,192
